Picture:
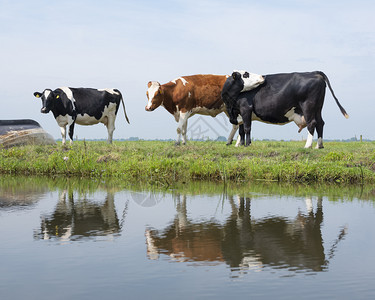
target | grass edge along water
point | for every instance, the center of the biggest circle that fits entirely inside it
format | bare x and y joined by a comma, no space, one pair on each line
162,163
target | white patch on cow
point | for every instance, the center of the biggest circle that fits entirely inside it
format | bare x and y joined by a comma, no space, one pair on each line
85,119
309,141
183,80
296,118
68,92
251,82
189,95
152,90
290,114
111,91
46,93
64,120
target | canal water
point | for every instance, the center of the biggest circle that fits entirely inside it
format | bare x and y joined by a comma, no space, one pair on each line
80,239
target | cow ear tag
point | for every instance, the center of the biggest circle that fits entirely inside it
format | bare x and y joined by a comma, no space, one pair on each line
37,95
58,96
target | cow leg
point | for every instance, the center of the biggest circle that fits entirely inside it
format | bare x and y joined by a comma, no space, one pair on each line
308,111
311,110
111,128
238,142
241,136
309,140
231,135
246,116
310,128
247,128
319,131
184,130
71,132
314,123
63,134
182,127
319,145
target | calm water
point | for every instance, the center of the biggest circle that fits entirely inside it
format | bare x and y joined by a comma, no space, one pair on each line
66,239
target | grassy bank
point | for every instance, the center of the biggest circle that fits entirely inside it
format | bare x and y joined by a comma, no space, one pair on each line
163,163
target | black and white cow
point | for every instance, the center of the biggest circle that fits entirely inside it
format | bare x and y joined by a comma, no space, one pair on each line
281,99
83,106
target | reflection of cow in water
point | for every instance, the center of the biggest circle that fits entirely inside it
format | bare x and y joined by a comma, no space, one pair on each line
275,241
272,241
184,240
73,220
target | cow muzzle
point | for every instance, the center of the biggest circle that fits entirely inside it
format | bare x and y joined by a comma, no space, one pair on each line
149,108
44,110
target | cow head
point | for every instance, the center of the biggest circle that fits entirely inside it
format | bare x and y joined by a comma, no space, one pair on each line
249,80
155,95
48,99
240,81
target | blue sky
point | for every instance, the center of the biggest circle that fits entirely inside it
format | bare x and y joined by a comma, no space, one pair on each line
125,44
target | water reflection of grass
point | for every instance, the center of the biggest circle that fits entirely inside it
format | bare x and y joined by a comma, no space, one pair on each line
164,164
11,184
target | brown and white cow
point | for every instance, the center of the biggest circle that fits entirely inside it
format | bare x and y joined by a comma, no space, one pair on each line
186,96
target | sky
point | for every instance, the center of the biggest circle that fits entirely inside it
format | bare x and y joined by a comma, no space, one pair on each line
126,44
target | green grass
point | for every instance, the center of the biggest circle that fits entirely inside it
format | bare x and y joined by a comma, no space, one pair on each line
163,163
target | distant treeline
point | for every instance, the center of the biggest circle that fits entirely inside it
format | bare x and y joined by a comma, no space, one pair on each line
223,139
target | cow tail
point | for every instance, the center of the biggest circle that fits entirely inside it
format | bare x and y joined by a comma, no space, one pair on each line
343,111
123,106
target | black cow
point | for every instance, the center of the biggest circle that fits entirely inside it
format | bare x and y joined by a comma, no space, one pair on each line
281,99
82,106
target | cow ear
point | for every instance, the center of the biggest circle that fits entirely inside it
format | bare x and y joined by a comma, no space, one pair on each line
37,94
234,75
56,95
149,84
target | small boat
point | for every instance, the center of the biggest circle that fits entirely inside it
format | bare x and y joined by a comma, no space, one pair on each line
23,132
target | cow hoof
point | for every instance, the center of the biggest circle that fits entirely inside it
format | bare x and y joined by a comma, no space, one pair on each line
177,144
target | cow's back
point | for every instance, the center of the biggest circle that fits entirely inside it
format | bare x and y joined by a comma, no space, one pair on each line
197,91
292,85
93,102
284,94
